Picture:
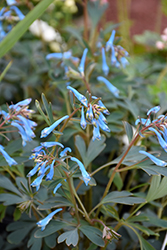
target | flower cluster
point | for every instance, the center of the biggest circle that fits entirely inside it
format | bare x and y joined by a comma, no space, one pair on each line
94,113
8,15
118,54
46,160
18,116
157,127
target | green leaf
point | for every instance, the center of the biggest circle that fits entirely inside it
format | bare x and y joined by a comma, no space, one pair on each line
41,112
51,228
144,244
93,234
17,236
50,240
122,197
16,33
129,130
47,108
75,33
7,184
145,230
10,199
5,71
94,149
17,214
71,237
117,180
96,10
158,188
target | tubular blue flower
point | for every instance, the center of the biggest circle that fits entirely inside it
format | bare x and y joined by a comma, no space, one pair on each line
42,169
111,87
37,182
81,67
9,160
34,170
49,176
102,117
113,57
57,187
157,161
79,96
37,149
109,43
45,221
11,2
26,126
65,55
162,142
21,103
85,175
105,67
89,113
100,103
143,121
5,114
63,153
102,125
124,62
22,132
51,144
153,110
18,12
83,120
96,133
46,131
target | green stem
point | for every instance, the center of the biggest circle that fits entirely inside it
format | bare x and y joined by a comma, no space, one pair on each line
69,179
82,206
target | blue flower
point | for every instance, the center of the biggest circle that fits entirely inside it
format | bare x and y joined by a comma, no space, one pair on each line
51,144
46,131
89,113
9,160
160,139
113,57
143,121
79,96
105,67
37,182
124,62
111,87
157,161
64,152
153,110
81,67
102,125
65,55
100,103
45,221
51,172
57,187
83,120
96,132
18,12
22,132
109,43
34,170
25,102
25,123
85,175
11,2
